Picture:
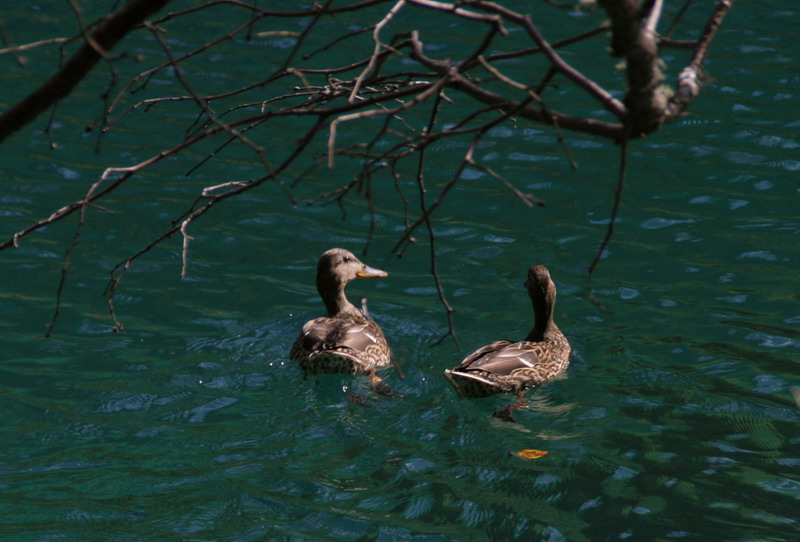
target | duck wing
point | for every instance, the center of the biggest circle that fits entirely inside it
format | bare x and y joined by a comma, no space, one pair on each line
354,333
502,358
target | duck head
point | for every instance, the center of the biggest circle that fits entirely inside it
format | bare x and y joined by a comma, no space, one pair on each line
337,267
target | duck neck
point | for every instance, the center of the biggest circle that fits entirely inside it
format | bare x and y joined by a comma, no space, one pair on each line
332,294
543,323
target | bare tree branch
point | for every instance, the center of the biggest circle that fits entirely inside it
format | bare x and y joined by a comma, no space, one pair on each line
623,173
634,37
60,85
509,73
420,177
584,124
378,48
689,78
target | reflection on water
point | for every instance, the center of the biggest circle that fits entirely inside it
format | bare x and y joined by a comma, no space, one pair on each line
678,418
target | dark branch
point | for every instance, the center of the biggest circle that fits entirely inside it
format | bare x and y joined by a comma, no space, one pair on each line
60,85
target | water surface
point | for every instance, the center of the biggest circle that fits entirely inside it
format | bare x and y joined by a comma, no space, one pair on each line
674,421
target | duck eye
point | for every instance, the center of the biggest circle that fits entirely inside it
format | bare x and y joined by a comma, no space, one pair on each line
347,259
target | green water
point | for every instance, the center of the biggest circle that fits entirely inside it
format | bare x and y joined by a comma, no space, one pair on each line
675,419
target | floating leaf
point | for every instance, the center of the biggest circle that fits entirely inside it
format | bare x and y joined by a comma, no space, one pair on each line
530,454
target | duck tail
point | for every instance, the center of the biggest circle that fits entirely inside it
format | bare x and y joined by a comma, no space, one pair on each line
472,384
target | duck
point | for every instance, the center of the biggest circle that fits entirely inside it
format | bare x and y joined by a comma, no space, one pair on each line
345,340
513,367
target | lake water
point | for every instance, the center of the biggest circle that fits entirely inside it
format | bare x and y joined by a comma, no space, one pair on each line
675,420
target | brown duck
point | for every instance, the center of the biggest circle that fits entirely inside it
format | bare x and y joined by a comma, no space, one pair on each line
345,340
513,367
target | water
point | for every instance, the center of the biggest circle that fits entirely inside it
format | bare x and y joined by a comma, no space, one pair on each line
674,421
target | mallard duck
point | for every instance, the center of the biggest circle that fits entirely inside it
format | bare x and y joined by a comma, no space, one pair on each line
344,341
513,367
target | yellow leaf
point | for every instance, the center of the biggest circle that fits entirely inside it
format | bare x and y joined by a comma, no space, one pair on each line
530,454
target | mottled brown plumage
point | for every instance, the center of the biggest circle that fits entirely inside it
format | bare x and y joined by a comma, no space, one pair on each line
344,341
512,367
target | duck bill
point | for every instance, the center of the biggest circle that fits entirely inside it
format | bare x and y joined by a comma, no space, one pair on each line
367,271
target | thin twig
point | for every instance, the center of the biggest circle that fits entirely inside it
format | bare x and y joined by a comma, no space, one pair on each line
378,47
613,131
185,249
451,331
327,46
555,45
10,47
494,71
623,171
16,49
373,112
689,79
202,104
653,17
236,189
64,269
457,10
85,31
112,288
525,198
678,16
480,132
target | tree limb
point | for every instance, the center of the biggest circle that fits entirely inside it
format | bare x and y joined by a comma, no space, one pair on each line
689,79
115,27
